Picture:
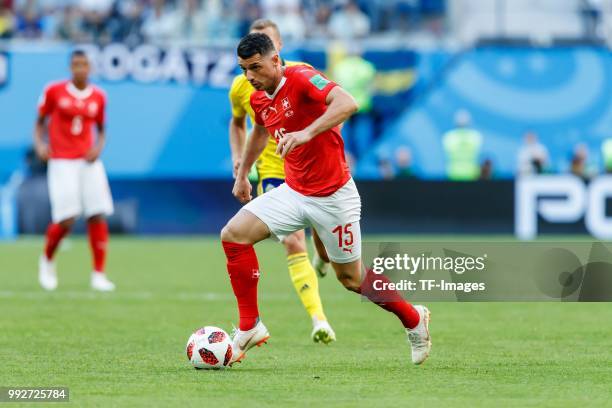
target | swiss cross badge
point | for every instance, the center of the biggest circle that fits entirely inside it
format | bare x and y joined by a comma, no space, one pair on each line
285,103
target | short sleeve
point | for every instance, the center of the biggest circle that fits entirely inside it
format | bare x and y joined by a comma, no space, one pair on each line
46,102
235,100
315,85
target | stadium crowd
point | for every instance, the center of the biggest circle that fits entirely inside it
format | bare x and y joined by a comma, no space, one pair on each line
137,21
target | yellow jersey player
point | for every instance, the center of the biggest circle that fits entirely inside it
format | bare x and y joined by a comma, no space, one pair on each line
270,168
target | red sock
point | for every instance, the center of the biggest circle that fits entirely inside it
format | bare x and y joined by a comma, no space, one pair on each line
243,270
55,233
390,300
98,241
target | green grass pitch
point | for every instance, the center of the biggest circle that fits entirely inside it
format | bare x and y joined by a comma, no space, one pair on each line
127,348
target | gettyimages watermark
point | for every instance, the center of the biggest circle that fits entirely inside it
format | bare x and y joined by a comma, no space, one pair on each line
486,271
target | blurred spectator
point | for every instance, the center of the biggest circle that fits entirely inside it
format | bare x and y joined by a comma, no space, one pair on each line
96,15
160,24
318,25
462,147
532,156
385,168
486,170
289,19
606,151
69,27
578,166
29,23
356,74
221,21
349,22
270,7
7,22
191,20
246,13
135,21
126,21
591,11
403,162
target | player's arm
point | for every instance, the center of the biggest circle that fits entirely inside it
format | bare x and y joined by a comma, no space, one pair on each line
340,106
237,125
255,146
94,153
237,138
40,146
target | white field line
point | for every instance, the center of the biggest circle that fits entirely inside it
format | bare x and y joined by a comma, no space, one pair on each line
143,295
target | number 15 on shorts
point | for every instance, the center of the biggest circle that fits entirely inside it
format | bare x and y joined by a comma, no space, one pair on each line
345,237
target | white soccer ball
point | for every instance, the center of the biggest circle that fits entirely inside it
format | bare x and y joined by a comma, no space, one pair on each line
209,348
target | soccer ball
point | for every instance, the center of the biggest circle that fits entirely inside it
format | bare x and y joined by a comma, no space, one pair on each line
209,348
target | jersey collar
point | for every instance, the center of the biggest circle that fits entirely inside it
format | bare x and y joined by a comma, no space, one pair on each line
278,88
79,93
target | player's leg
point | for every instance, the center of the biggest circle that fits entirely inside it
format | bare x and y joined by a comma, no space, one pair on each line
302,273
238,238
275,213
320,260
64,195
306,284
336,220
98,204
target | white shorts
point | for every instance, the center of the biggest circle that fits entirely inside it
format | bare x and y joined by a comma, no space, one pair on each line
76,188
335,218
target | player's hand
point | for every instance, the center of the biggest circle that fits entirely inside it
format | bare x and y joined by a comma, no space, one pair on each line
242,190
93,154
236,166
42,151
290,141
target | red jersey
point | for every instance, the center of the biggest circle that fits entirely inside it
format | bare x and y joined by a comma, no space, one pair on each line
73,112
316,168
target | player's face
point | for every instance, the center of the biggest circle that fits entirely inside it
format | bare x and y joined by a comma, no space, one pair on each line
263,72
79,66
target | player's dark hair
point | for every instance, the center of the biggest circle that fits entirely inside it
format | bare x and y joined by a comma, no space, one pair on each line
254,43
77,53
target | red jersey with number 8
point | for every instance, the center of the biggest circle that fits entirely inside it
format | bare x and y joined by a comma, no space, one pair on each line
73,113
317,168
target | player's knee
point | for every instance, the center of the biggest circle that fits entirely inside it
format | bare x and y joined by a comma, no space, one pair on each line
68,223
350,283
228,233
233,233
96,218
294,244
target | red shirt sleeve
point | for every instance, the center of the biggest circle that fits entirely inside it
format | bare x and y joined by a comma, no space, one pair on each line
314,84
46,101
258,118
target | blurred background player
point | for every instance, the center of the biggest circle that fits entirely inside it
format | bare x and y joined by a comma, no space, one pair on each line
271,172
76,177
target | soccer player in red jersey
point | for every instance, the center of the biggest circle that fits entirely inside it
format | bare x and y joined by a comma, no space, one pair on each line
302,109
76,177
